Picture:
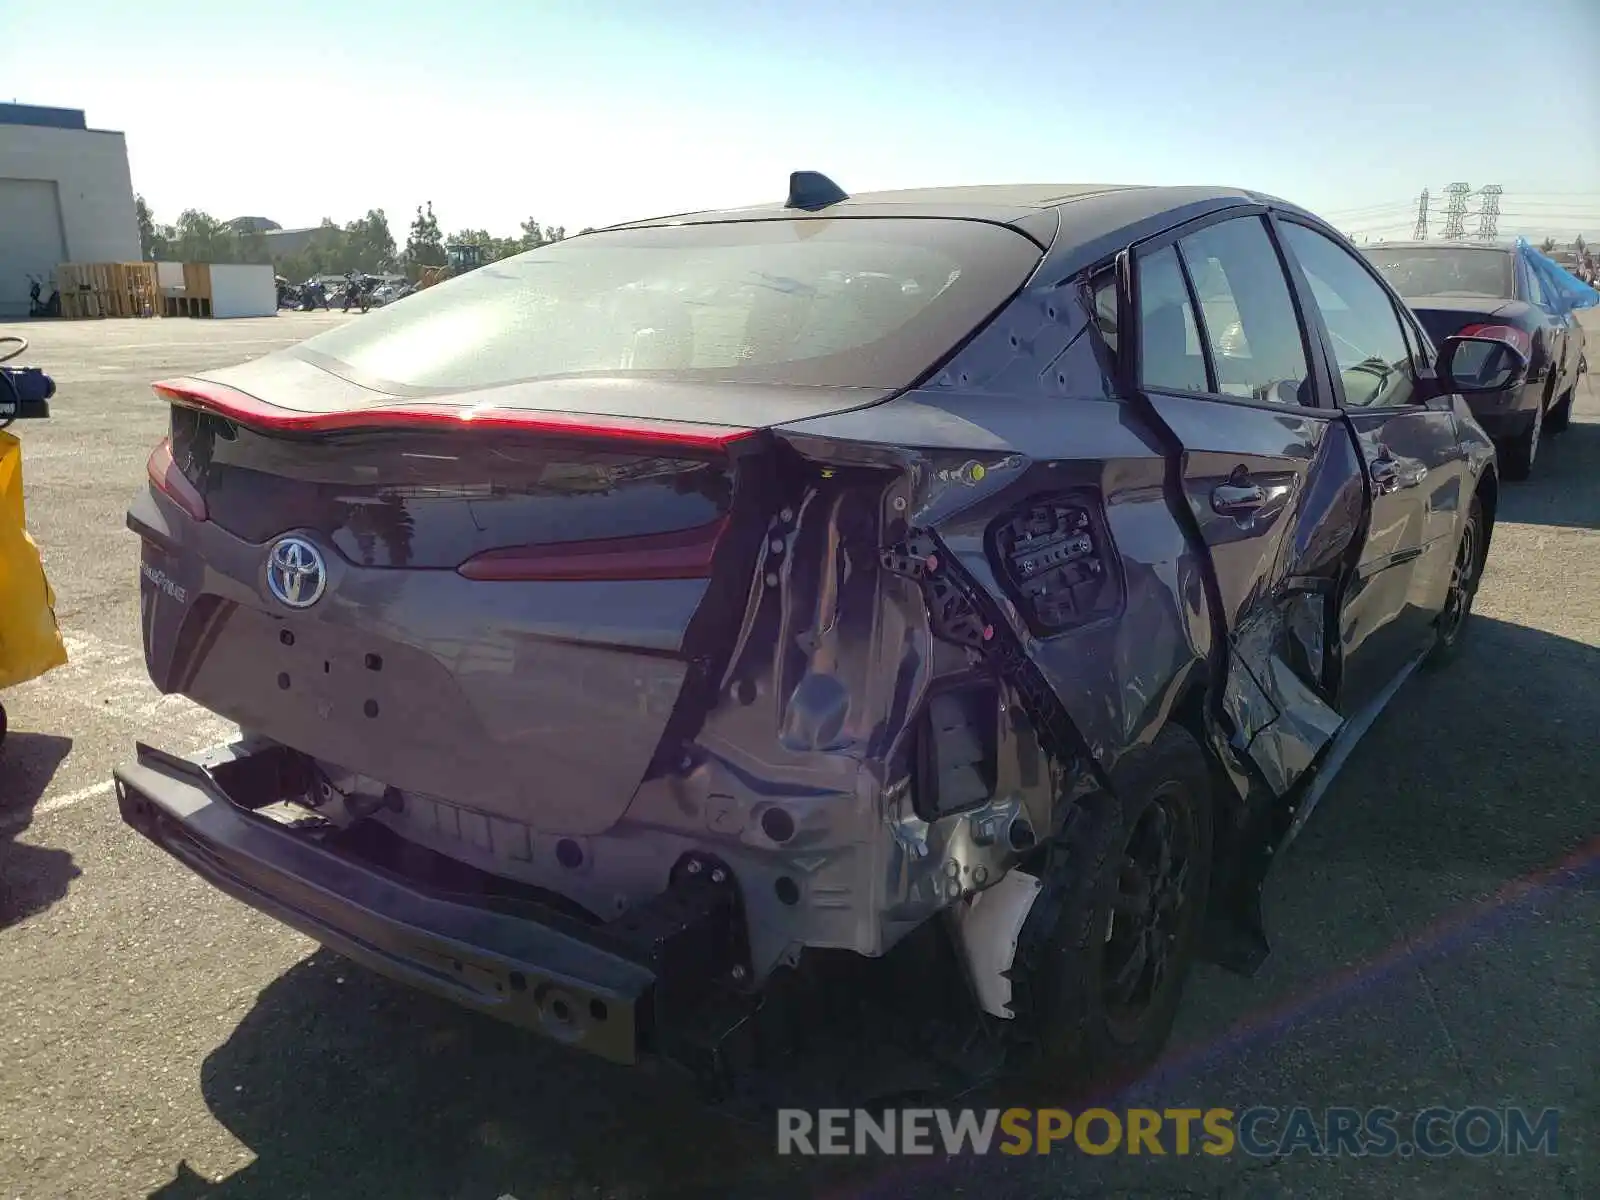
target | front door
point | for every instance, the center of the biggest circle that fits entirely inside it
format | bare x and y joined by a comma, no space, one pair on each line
1415,471
1269,471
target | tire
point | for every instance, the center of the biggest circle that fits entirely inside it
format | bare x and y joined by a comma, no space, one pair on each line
1097,908
3,726
1466,572
1517,454
1561,415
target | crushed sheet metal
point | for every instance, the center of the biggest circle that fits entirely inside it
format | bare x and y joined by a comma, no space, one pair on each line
987,929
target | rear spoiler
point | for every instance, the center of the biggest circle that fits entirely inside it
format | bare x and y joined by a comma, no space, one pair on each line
251,411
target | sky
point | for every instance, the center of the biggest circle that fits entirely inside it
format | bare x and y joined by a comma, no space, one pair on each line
588,113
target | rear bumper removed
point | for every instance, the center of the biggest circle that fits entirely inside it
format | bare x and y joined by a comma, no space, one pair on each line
595,987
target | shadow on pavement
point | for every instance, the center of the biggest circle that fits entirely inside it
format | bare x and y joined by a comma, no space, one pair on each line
346,1085
1481,776
1564,489
32,878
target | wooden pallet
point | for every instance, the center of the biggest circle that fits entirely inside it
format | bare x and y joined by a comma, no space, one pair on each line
194,300
108,290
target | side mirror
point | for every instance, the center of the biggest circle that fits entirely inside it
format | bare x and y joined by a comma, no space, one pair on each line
1477,364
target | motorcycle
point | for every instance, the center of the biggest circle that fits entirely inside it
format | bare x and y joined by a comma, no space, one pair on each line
288,294
358,292
42,308
313,293
30,638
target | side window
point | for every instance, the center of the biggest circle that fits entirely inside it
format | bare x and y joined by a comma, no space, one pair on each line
1368,341
1169,343
1251,328
1530,280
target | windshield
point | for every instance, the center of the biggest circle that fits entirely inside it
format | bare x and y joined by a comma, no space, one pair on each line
1445,271
863,302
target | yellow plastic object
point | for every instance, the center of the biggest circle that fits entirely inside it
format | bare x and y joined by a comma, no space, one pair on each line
30,639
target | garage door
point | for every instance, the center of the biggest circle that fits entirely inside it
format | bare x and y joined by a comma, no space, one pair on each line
31,240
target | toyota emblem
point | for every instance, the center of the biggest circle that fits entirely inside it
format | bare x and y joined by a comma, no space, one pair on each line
296,572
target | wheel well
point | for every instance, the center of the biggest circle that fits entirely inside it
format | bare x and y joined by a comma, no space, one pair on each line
1189,711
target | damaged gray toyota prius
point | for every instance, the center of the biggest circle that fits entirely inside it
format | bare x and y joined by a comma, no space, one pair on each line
623,632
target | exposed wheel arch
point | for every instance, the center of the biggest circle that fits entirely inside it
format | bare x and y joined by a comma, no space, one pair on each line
1058,974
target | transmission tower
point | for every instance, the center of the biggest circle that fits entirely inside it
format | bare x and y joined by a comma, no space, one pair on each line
1420,233
1455,212
1489,211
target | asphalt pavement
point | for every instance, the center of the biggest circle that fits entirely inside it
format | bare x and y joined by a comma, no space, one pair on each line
1435,927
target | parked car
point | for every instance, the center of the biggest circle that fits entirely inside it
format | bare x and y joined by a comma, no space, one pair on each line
391,290
619,634
1460,287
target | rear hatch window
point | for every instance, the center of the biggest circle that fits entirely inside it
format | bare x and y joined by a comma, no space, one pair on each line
863,302
1445,271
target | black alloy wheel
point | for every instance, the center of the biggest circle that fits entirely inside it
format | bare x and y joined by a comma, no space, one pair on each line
1150,911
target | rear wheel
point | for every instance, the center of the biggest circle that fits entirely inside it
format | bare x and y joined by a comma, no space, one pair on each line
1104,953
1465,573
1518,453
1561,414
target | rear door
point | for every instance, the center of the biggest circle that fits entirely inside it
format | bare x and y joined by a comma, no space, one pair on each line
1268,470
1556,327
1410,450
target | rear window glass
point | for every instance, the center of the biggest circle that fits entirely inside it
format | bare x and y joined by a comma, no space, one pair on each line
1445,271
845,302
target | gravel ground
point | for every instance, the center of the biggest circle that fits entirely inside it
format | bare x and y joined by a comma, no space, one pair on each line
1434,927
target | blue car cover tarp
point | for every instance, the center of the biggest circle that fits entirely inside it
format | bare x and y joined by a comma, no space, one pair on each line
1563,291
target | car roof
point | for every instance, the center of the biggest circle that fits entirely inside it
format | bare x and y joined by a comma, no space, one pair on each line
1079,225
1002,202
1113,205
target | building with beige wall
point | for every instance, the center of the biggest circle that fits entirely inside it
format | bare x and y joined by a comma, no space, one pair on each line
65,196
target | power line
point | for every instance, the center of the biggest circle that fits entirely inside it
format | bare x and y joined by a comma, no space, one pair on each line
1343,213
1530,192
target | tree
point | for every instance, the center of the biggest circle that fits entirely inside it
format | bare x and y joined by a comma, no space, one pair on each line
535,234
425,245
1579,244
365,244
1548,245
147,228
369,243
201,238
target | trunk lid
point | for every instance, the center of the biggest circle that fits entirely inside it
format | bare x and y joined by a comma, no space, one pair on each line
1445,316
514,602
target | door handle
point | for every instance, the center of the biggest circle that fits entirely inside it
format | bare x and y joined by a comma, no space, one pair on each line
1390,476
1237,499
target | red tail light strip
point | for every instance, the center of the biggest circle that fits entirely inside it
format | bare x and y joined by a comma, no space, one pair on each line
170,480
1518,339
258,414
681,554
